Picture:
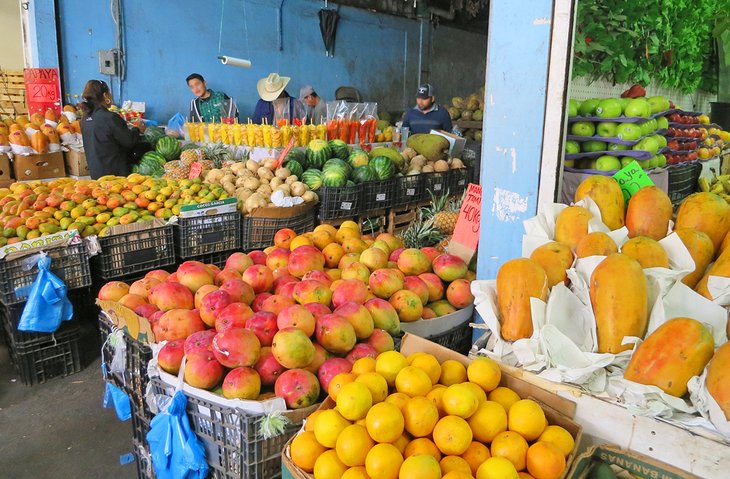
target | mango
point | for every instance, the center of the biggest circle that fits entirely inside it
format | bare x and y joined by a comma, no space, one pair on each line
518,280
571,225
48,228
606,193
648,252
618,276
120,211
428,145
671,355
701,249
596,244
706,212
555,258
718,382
648,213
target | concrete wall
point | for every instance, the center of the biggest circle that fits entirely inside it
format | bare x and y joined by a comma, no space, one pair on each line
165,41
11,48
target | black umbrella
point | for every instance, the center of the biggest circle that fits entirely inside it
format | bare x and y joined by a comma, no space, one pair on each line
328,27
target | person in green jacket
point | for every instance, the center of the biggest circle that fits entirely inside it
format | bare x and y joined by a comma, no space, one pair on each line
209,105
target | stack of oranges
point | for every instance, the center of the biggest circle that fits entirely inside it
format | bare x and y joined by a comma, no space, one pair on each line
398,417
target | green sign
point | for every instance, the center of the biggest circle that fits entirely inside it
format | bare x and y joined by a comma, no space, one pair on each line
631,178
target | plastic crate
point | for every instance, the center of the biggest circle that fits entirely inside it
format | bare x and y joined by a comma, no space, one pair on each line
683,181
69,262
218,259
204,235
143,460
258,231
457,339
337,203
232,438
436,183
409,189
378,195
124,255
458,180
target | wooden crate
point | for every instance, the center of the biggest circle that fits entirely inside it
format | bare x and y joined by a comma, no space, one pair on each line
12,94
399,219
379,216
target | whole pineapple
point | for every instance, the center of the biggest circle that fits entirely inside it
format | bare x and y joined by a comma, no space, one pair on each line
188,157
445,212
421,233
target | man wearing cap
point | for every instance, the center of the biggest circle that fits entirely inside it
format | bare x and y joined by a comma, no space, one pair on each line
427,115
316,106
209,105
275,103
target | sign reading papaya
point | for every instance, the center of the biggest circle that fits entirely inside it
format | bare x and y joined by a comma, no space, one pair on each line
466,233
631,179
42,90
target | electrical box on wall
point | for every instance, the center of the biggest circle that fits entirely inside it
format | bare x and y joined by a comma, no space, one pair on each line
108,62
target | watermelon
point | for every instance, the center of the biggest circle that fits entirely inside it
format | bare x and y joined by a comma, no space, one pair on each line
295,167
312,178
298,155
168,147
363,174
318,152
339,149
336,163
358,158
152,134
333,178
383,166
155,157
190,146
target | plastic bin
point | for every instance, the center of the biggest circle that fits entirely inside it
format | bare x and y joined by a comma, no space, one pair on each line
204,235
378,195
258,231
337,203
218,259
143,461
683,181
69,262
458,180
409,189
436,183
128,254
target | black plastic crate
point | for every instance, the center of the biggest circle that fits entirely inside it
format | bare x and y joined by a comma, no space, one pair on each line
683,181
143,460
70,263
219,259
128,254
436,183
458,180
141,419
378,195
335,203
24,340
259,231
457,339
409,189
205,235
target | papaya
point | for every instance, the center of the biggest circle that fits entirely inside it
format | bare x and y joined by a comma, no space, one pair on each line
16,127
39,142
19,138
671,355
648,252
76,126
648,213
518,280
22,120
700,248
618,276
555,258
4,139
596,244
51,115
69,108
36,119
606,193
63,128
571,225
5,129
706,212
725,243
721,267
718,378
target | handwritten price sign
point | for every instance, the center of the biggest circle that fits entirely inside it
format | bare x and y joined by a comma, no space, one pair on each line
466,233
42,90
631,179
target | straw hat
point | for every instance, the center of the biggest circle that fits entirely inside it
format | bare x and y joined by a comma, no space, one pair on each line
271,87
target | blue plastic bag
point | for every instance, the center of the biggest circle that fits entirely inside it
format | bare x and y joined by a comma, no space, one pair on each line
48,305
176,124
116,398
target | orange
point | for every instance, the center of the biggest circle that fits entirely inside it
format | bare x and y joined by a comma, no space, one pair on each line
558,437
436,395
485,372
389,364
329,466
456,475
383,462
305,450
412,381
357,472
475,455
335,385
353,445
481,395
504,396
376,384
402,442
385,422
422,445
420,467
420,416
428,363
497,468
354,401
309,425
460,400
452,372
413,356
363,365
299,241
524,475
398,399
545,461
452,435
489,420
333,253
454,463
329,425
512,447
527,418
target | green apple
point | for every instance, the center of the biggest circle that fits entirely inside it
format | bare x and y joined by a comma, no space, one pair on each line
625,161
662,140
606,129
624,102
617,147
637,107
650,163
658,104
653,123
645,127
572,147
628,131
662,123
661,160
569,163
608,163
609,108
647,144
593,146
588,107
573,107
583,128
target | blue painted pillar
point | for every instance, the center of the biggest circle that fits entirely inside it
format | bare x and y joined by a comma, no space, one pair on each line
42,51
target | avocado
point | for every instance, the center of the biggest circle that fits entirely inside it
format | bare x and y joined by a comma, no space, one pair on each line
601,470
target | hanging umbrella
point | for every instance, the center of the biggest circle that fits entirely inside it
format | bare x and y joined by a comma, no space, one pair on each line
328,27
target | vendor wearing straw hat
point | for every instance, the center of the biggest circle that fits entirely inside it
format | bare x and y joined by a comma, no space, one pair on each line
275,103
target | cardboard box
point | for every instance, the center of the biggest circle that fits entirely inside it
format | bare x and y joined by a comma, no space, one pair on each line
636,464
6,172
39,167
229,205
456,143
76,164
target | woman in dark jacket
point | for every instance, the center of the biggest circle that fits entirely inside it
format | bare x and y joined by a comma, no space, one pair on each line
108,142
